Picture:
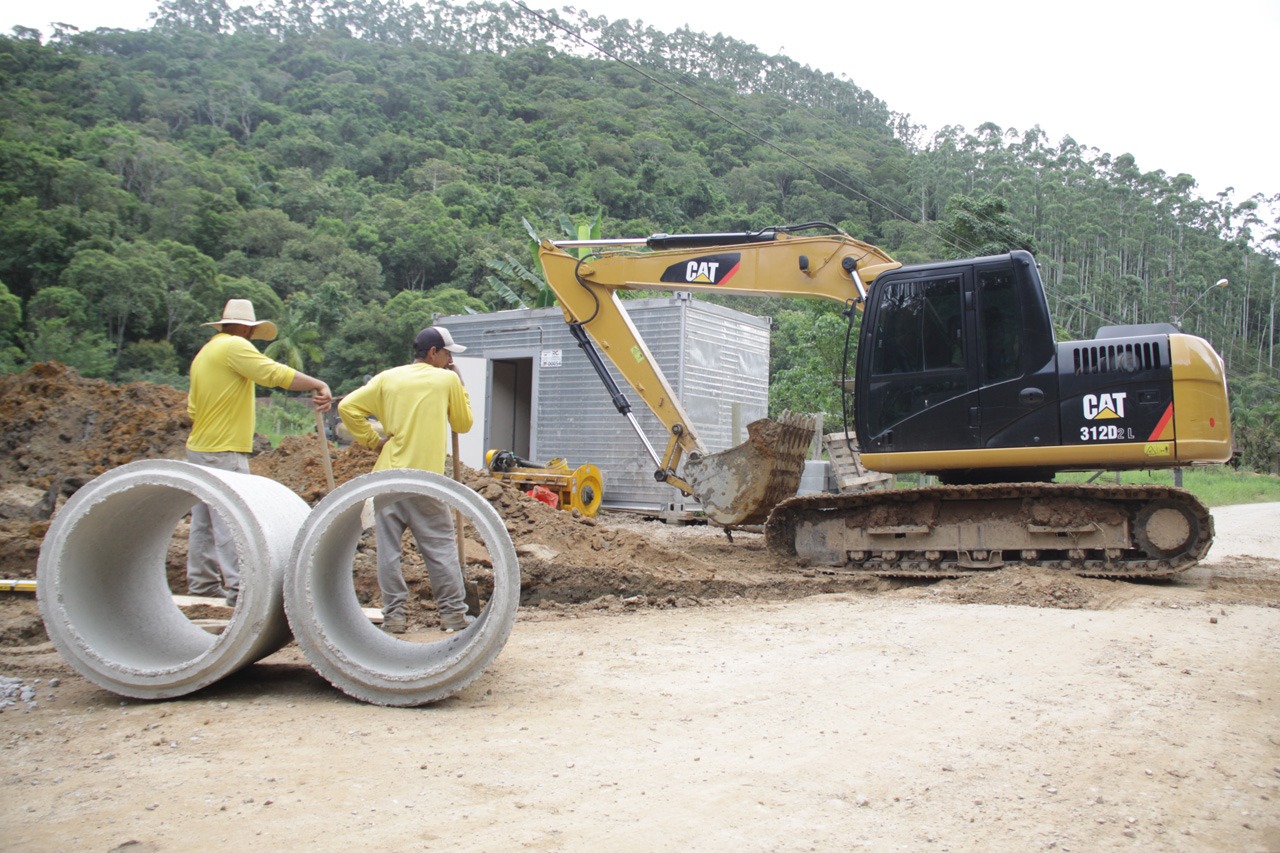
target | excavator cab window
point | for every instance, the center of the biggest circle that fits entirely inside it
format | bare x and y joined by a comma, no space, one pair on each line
998,298
918,358
918,327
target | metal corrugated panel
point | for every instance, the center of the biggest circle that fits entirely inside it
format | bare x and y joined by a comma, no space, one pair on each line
726,374
716,359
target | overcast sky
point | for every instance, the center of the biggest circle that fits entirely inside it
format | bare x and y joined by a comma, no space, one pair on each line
1183,87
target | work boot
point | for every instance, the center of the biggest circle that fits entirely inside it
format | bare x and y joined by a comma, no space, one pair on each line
450,622
214,592
233,595
395,623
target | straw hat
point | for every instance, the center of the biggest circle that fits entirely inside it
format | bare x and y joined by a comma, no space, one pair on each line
241,311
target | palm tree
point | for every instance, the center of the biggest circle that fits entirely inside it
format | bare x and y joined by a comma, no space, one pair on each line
297,340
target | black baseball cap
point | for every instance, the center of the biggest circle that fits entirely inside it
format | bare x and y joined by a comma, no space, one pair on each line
436,337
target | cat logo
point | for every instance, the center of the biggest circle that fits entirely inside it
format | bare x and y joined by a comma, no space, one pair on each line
701,272
1101,407
708,269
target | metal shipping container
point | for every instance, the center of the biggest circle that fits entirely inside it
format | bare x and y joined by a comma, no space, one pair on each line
543,400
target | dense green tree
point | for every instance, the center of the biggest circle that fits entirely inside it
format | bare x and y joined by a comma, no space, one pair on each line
121,290
982,226
64,303
1255,413
10,313
10,326
56,340
808,360
367,342
417,240
267,305
378,337
189,279
152,361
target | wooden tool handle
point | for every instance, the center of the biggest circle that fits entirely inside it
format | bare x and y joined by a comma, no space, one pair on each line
324,450
457,516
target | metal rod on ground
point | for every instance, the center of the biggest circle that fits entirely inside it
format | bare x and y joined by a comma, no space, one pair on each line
324,449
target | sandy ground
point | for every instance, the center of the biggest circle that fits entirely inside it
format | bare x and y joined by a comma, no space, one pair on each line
1136,717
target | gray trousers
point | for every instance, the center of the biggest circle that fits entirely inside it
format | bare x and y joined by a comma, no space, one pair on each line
431,522
212,567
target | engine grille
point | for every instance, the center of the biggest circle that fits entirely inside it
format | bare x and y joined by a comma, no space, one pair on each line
1117,358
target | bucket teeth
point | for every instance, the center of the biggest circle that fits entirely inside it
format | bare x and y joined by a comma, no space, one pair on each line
740,486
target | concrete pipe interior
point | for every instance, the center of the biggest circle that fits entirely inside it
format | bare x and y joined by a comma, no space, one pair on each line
102,585
338,637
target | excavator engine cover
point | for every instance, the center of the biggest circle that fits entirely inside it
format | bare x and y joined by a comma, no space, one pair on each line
739,486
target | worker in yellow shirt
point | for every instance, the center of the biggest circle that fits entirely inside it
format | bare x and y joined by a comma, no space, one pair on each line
221,406
417,405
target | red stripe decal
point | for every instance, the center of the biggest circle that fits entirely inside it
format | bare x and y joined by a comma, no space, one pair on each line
1165,420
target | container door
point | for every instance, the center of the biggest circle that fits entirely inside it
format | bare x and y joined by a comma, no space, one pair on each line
474,372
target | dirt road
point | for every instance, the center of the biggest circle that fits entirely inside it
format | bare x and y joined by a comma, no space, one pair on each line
945,716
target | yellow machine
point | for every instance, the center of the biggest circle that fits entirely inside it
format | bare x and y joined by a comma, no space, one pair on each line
958,375
580,488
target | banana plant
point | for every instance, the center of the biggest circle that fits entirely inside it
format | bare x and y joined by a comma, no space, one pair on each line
529,279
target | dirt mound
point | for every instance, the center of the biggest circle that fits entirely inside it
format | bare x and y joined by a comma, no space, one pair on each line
57,424
297,462
1025,586
541,531
59,430
565,558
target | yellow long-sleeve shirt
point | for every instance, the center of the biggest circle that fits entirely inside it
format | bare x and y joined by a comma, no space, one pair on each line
220,402
417,405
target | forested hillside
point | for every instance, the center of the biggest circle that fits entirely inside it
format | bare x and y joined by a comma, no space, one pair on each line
355,168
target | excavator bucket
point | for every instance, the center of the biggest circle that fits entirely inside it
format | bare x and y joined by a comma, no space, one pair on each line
739,486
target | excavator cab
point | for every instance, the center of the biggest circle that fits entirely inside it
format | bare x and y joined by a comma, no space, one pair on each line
959,376
947,353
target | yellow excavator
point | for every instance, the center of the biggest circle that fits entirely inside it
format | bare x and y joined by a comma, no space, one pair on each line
957,375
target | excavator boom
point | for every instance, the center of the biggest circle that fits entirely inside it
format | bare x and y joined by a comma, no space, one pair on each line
738,486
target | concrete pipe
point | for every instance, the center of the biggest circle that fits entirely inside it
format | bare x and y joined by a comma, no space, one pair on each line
101,580
338,638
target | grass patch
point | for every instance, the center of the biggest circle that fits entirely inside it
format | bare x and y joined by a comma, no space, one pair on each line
1216,485
279,416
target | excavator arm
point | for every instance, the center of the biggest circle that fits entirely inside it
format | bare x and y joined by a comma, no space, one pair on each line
740,485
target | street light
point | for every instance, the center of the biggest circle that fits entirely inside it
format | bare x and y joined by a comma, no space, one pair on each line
1222,282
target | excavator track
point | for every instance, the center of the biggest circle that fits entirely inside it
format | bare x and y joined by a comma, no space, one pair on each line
1094,531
